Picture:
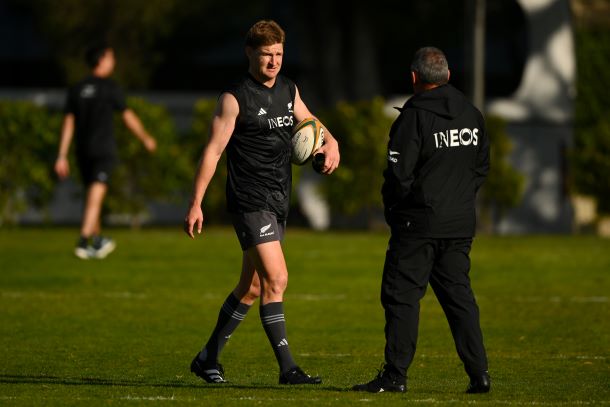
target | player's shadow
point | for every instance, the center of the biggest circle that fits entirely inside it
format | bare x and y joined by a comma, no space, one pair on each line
95,381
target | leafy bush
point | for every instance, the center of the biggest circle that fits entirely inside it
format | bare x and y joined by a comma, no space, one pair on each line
362,130
503,188
28,136
140,176
214,204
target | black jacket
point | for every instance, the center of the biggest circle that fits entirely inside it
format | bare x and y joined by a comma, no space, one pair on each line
438,157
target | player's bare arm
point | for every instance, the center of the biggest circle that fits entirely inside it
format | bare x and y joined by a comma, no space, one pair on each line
330,149
62,166
223,124
133,123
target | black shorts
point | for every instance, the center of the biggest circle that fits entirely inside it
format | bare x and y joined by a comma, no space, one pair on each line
254,228
96,169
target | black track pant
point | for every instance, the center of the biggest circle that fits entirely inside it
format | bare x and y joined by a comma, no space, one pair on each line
412,263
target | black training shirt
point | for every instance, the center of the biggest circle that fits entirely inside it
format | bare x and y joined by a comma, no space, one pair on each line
438,157
93,102
259,172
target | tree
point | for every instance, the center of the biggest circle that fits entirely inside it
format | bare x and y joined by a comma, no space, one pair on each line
133,28
503,188
142,177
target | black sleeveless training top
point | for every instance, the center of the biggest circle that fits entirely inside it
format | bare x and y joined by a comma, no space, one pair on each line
259,172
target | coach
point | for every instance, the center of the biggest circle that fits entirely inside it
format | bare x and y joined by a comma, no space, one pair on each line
438,157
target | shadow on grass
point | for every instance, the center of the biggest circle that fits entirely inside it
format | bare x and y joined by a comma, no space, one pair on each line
94,381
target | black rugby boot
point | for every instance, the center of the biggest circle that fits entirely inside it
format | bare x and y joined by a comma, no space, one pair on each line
211,372
386,381
479,383
297,376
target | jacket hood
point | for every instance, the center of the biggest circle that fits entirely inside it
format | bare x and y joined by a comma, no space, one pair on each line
445,101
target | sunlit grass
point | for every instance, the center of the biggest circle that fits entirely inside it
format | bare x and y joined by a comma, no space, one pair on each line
124,330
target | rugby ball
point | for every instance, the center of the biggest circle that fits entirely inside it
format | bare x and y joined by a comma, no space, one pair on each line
307,137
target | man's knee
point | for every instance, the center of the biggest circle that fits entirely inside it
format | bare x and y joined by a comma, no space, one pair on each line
254,291
248,293
276,285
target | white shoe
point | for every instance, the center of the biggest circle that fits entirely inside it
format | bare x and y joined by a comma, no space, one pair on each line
102,247
84,253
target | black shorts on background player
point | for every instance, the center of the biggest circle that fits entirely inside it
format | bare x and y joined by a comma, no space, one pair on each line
96,169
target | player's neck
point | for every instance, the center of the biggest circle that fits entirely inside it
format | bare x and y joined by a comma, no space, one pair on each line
101,75
263,80
101,72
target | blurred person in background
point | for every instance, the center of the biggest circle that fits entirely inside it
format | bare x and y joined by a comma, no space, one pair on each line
438,158
89,110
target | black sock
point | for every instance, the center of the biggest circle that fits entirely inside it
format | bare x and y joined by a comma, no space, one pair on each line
83,242
231,314
272,317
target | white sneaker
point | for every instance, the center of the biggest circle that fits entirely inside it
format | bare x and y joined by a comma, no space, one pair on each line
84,253
102,247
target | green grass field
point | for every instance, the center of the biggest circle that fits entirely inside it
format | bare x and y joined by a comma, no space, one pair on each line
123,331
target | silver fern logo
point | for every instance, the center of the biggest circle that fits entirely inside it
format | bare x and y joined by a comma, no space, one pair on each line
265,231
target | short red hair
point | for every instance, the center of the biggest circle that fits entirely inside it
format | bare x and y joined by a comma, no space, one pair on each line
265,32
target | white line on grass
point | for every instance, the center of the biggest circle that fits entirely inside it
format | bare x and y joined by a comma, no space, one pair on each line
253,398
581,357
150,398
125,295
317,297
557,299
210,296
589,299
364,400
509,402
50,295
513,356
57,295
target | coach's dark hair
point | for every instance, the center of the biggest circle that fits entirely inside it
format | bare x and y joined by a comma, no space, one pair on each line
431,65
265,32
95,52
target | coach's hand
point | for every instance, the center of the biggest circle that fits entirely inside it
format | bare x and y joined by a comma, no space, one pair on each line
193,217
